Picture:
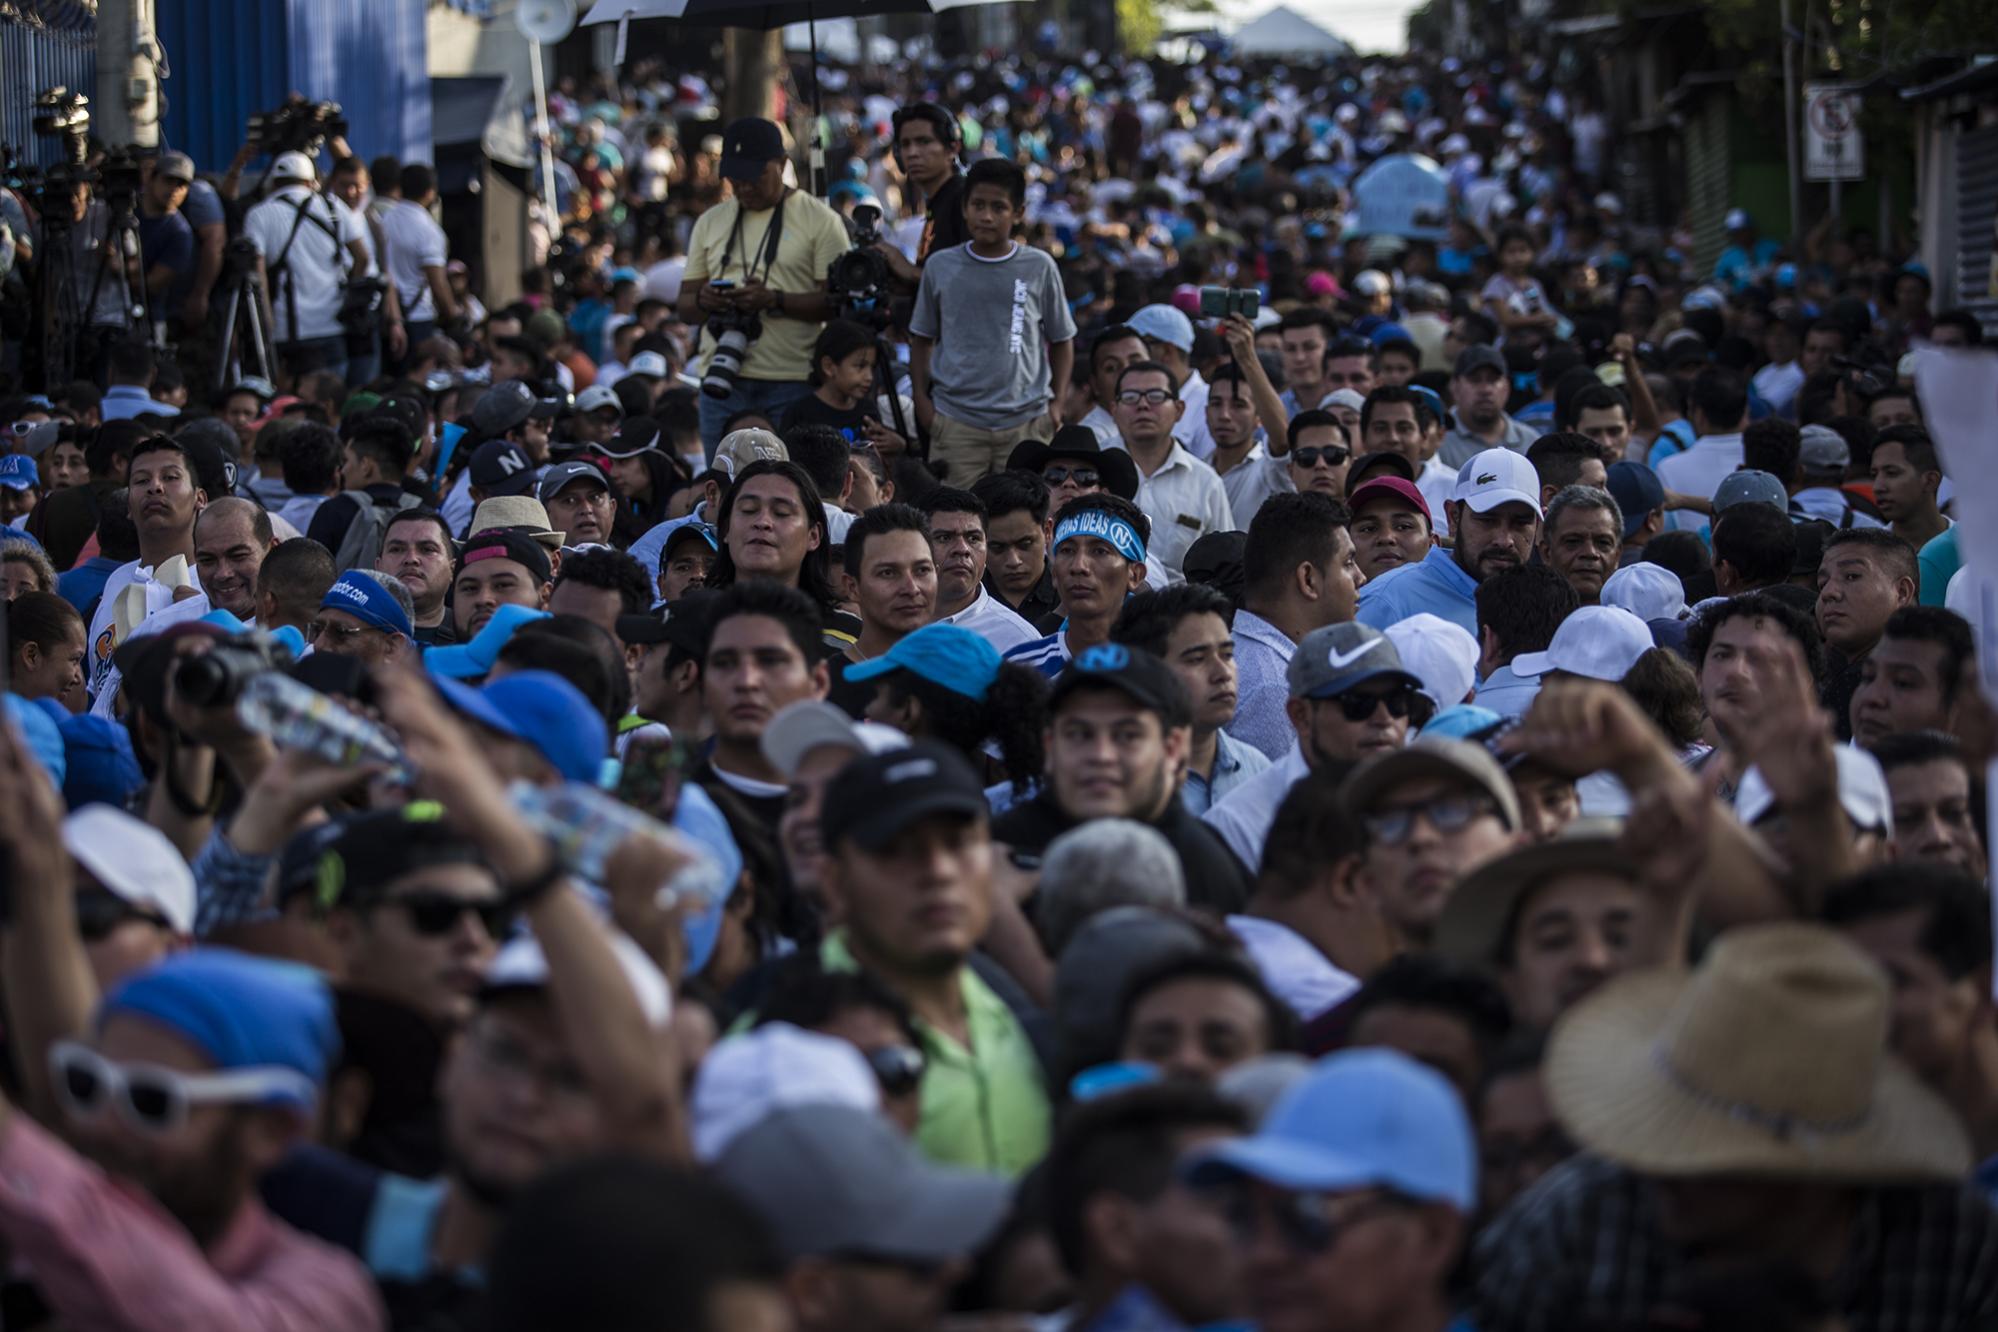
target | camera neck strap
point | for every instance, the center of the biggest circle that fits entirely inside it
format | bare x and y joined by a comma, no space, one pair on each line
771,236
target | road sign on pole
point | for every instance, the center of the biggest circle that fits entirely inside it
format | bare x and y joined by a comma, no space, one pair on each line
1834,148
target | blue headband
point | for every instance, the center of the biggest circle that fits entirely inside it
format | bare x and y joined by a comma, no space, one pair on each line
367,601
1104,527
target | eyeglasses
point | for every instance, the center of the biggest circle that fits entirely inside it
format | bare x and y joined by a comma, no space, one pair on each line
1446,814
432,914
1358,706
1309,1223
156,1100
504,1056
1331,455
1149,397
99,914
898,1068
338,634
1082,476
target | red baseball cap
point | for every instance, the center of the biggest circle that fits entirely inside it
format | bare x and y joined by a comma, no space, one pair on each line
1389,486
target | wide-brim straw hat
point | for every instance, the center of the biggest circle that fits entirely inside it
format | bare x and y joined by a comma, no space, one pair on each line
1769,1060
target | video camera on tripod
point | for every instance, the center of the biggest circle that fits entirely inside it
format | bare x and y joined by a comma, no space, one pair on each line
858,279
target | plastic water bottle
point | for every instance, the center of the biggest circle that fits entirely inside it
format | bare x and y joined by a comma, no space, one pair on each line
297,716
585,825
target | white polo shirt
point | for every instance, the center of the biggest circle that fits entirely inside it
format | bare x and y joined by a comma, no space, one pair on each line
1185,501
992,620
1244,815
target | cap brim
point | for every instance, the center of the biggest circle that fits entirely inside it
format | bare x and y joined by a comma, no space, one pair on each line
955,1212
742,168
1294,1166
454,662
1533,663
792,735
469,702
1491,499
1477,913
871,669
1337,687
879,829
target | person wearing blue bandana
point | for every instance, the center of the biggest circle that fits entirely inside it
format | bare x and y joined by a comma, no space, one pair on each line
361,616
1098,560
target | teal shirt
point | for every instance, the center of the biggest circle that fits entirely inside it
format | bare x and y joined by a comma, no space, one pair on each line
983,1107
1939,560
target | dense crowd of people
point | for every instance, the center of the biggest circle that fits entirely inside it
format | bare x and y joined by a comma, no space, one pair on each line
1134,749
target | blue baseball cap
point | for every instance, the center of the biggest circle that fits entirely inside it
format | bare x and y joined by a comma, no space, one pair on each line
944,654
18,472
474,660
1164,323
102,767
698,817
541,709
241,1011
364,597
1386,333
1361,1119
43,738
1637,491
1749,486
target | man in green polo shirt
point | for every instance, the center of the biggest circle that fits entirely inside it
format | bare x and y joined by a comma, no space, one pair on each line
909,873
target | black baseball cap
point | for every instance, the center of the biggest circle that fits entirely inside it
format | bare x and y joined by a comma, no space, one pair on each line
877,796
507,543
1479,356
502,467
1367,464
1140,675
748,146
682,623
688,532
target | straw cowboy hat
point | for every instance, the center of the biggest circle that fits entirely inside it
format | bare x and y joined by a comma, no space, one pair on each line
1769,1060
1480,914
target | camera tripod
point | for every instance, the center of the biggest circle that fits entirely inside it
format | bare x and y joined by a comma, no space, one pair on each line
121,249
246,347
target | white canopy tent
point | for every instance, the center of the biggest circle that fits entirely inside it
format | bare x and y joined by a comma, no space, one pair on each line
1285,32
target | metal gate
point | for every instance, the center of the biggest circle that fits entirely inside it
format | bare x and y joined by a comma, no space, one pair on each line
1976,285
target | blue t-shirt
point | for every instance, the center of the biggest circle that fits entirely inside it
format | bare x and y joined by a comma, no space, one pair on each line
82,586
166,240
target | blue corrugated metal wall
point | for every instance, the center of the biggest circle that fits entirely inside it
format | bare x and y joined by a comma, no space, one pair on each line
234,58
34,58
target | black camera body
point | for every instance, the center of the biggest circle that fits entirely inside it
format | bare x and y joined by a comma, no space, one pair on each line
297,126
218,676
859,279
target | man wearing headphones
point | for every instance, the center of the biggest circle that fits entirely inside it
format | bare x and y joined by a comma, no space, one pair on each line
926,142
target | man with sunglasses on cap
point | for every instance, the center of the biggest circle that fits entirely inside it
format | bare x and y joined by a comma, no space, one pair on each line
907,869
1352,1201
1494,525
1350,698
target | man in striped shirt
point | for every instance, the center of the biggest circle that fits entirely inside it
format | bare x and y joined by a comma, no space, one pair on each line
1098,559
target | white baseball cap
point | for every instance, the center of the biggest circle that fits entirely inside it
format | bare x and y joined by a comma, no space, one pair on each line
1495,477
1440,654
133,860
293,166
648,363
596,396
746,1077
799,728
1648,591
1600,642
1862,792
521,965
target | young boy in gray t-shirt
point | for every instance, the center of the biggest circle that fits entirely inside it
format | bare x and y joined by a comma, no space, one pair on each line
991,339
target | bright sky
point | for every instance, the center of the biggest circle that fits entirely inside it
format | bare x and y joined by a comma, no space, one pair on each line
1370,25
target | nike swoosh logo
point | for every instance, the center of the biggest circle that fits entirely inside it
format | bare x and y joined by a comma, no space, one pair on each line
1340,660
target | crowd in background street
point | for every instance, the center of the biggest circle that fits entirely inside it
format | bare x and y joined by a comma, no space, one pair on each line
1202,696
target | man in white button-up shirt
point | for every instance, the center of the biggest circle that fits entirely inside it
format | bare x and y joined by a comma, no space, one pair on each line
1182,495
957,542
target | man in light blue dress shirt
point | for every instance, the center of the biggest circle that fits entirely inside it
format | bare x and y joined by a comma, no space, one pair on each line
1494,525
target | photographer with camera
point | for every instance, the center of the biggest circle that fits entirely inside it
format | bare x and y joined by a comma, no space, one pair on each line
347,186
755,282
417,254
307,249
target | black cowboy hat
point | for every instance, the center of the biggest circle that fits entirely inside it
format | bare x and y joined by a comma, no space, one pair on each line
1079,444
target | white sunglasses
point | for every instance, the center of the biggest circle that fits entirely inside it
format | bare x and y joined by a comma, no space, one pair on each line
152,1099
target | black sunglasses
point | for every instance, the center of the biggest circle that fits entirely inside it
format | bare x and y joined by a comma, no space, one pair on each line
432,914
99,914
1358,706
898,1068
1331,453
1082,476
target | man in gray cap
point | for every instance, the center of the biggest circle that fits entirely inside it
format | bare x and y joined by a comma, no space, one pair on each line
166,240
1350,698
306,247
873,1236
1478,421
762,256
1822,459
510,410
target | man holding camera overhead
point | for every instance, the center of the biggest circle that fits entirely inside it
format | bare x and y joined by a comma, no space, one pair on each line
755,281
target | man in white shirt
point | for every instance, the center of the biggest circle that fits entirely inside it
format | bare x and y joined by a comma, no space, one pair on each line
1168,336
417,255
1115,348
306,246
957,542
1182,495
1719,412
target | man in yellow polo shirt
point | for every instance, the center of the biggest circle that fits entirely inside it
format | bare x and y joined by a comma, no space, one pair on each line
909,872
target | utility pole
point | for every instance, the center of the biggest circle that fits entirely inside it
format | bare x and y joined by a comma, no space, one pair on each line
125,106
1790,133
752,60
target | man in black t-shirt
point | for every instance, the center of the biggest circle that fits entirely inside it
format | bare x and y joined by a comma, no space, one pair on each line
926,143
